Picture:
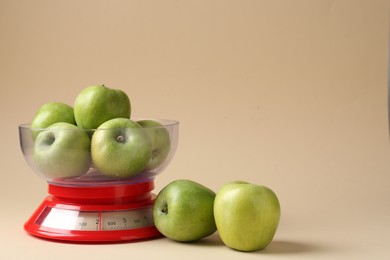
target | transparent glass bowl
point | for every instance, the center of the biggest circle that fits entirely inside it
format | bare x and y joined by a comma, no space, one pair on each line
93,157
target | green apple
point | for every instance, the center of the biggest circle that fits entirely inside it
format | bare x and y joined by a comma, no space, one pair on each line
96,104
161,143
247,215
62,150
183,211
50,113
120,148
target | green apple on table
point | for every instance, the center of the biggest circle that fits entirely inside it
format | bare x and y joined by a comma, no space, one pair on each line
246,215
183,211
62,150
161,143
120,148
50,113
96,104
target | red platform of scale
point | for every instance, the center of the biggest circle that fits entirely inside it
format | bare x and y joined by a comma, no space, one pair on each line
115,213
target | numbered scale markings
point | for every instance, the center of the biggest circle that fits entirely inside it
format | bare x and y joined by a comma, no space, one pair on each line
66,219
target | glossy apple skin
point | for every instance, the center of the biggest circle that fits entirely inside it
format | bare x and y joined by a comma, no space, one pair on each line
183,211
120,148
161,143
62,150
97,104
50,113
247,215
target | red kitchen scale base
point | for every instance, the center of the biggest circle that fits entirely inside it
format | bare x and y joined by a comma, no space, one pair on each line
95,214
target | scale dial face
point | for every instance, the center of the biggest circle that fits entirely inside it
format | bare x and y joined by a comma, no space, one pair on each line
69,219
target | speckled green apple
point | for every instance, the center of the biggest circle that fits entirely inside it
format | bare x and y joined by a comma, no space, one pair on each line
183,211
161,143
120,148
62,150
247,215
50,113
96,104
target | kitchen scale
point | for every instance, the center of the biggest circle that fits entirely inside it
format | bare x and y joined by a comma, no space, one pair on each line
93,208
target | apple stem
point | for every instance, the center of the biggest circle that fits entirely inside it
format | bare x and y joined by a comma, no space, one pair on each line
120,139
165,209
155,153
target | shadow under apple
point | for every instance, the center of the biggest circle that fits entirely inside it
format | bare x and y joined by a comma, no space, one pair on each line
212,240
290,247
276,247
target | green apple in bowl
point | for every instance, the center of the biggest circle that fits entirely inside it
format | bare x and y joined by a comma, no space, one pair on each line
62,150
183,211
96,104
50,113
161,142
120,148
247,215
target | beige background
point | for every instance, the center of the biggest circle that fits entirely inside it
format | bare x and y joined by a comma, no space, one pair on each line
288,94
